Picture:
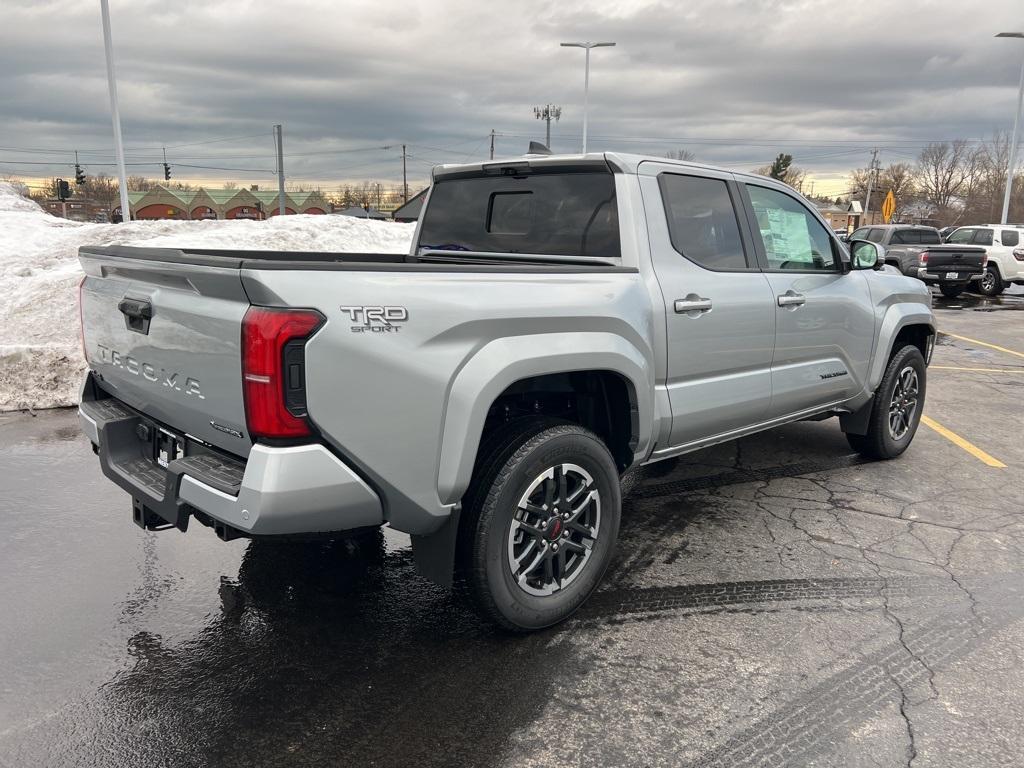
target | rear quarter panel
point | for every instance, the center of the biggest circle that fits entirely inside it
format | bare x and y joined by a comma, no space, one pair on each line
406,407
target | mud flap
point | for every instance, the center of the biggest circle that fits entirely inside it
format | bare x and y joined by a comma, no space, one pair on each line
434,554
856,423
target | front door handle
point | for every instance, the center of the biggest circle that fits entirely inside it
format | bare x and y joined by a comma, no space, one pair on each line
693,303
791,299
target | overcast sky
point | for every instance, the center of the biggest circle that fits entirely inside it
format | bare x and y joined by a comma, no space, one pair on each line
733,81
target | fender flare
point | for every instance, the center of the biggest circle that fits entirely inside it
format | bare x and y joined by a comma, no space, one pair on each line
896,318
504,361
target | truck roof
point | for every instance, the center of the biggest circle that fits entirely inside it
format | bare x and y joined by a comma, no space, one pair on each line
622,162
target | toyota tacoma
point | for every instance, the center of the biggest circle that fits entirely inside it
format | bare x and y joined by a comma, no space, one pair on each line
558,321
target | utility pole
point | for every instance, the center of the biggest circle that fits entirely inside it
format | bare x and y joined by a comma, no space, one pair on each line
492,143
872,169
405,180
115,115
279,140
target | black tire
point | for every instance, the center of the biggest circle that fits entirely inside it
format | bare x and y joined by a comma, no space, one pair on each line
991,284
881,441
513,462
950,291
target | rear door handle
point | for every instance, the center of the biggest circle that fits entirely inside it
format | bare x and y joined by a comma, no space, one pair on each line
790,299
693,303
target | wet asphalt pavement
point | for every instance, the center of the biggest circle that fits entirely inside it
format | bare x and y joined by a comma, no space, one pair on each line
775,601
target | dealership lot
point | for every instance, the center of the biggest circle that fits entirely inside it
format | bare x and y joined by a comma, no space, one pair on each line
775,601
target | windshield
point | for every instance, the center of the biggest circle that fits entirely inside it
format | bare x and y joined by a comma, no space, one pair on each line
557,214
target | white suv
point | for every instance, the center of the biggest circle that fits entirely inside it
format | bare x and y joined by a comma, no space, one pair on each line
1005,256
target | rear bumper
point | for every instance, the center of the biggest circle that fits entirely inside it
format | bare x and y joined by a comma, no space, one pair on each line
936,278
278,491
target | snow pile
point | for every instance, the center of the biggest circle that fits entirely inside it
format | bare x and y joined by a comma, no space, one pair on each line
41,363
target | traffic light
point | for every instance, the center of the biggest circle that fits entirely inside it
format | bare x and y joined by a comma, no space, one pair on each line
167,172
79,175
63,190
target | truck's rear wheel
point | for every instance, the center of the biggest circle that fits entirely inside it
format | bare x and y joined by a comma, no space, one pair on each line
539,523
896,409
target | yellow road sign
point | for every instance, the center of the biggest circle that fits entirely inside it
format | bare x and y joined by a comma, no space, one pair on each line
889,207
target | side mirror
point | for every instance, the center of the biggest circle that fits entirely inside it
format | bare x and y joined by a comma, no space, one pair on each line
866,255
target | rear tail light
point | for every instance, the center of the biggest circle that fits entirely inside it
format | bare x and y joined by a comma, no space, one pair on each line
1018,254
81,318
923,258
273,370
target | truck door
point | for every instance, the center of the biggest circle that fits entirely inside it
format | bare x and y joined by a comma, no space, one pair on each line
824,321
720,315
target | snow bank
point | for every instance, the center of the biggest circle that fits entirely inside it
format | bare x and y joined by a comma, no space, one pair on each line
41,363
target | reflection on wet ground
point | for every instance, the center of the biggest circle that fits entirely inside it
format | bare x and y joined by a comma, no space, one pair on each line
1012,298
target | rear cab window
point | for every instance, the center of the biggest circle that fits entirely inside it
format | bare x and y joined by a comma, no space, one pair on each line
554,212
702,221
982,237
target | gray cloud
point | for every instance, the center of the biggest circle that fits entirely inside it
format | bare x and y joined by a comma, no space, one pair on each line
734,81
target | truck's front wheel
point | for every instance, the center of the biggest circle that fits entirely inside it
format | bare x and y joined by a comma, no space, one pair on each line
539,523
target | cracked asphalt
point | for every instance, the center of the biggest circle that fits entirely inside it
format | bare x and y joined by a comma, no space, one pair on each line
775,601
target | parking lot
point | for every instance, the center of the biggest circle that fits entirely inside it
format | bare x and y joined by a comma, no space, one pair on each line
775,601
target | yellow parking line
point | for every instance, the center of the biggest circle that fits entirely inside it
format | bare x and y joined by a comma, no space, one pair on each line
954,438
978,370
983,343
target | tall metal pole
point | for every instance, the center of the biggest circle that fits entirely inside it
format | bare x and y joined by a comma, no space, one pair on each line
492,143
115,115
405,181
1013,149
279,138
586,81
586,98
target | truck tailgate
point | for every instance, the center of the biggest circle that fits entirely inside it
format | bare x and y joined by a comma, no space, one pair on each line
165,338
955,258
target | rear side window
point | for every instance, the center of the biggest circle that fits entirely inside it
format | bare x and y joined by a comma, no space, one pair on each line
906,237
1010,237
702,221
929,236
556,214
982,237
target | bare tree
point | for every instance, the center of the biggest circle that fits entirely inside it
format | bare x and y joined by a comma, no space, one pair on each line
680,154
944,170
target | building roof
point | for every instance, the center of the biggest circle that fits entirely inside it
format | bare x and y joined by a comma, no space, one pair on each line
410,210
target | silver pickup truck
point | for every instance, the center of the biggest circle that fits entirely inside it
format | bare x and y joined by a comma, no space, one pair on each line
558,321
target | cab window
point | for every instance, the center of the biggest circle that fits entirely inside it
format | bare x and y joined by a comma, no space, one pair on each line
702,221
929,237
793,238
875,235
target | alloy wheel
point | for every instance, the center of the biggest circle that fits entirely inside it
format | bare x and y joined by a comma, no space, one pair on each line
554,529
903,404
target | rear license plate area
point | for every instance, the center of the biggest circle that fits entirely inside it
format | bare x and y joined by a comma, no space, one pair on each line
167,447
952,275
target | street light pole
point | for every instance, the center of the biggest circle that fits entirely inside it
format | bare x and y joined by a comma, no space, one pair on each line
115,115
1016,128
586,80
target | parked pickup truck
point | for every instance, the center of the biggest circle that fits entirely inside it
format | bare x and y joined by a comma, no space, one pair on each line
918,252
558,321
